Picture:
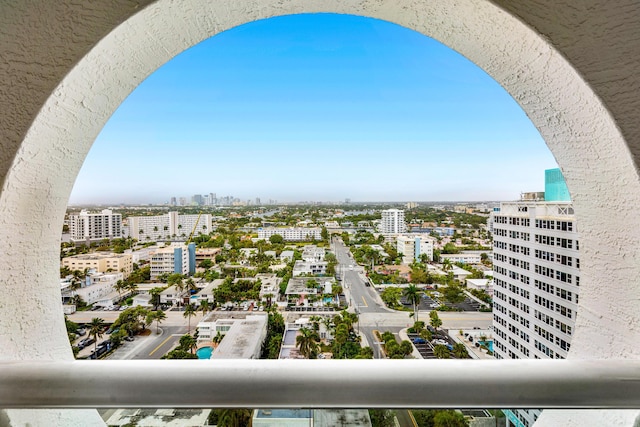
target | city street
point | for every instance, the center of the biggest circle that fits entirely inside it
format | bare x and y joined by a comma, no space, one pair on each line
375,315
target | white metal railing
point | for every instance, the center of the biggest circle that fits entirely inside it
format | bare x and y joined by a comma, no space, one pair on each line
321,384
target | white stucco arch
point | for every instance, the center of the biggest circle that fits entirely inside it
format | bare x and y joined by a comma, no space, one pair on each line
66,66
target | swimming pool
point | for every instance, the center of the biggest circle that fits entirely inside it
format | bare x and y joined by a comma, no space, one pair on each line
489,344
204,352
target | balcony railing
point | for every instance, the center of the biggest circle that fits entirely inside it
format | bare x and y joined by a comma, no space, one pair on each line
321,384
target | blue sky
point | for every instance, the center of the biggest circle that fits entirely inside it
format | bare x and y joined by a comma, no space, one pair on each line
316,107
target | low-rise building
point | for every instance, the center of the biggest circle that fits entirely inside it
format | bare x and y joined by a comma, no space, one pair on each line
292,234
312,253
102,262
473,257
270,287
172,296
243,338
97,288
414,246
305,290
316,268
286,256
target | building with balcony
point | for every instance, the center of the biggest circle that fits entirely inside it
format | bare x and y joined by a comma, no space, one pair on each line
87,227
413,247
168,226
173,259
292,234
392,222
536,280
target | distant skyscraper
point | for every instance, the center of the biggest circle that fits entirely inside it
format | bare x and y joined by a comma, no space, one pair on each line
173,201
392,222
197,200
536,280
257,200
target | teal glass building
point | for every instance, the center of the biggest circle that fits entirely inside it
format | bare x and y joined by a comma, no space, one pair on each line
555,187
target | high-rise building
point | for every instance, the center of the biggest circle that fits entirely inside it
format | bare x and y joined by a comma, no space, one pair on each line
392,222
168,226
91,227
197,200
536,281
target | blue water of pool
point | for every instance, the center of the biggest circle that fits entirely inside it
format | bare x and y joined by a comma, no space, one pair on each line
488,344
204,352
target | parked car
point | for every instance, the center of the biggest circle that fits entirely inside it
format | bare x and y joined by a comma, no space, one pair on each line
419,341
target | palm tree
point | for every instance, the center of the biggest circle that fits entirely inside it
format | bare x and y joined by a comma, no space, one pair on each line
460,351
446,264
204,306
158,317
75,284
155,297
435,320
217,339
307,341
188,343
441,352
189,312
234,418
95,330
412,293
119,287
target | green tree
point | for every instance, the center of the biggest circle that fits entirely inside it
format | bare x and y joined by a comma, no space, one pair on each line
460,351
449,418
390,295
441,352
435,320
454,294
413,295
95,330
307,341
189,311
204,306
155,297
188,343
156,316
324,234
276,239
382,418
234,418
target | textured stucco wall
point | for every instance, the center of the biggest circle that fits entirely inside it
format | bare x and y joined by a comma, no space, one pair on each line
67,65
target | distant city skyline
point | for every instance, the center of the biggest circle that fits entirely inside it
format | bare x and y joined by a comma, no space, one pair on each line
316,107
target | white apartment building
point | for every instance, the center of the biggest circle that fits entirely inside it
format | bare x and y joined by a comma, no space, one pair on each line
91,227
412,247
392,222
464,257
291,234
536,279
312,253
168,226
171,259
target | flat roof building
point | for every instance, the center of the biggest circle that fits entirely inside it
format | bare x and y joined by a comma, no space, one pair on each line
101,262
244,339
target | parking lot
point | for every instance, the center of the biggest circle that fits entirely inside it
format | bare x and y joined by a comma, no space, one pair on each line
427,303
